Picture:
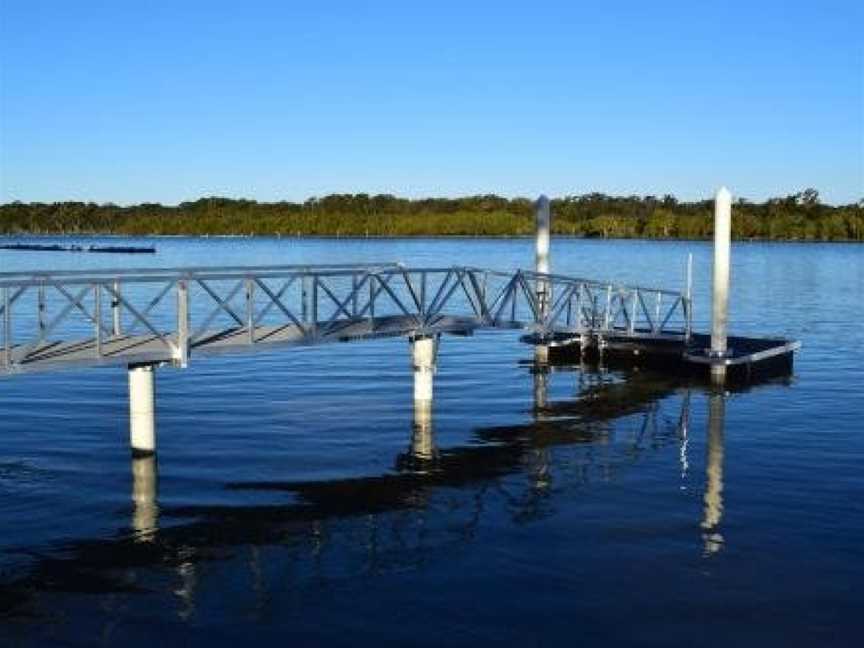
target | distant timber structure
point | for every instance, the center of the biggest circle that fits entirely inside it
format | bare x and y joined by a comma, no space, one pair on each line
56,247
146,318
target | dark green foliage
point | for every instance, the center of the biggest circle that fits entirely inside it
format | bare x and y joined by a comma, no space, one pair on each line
797,217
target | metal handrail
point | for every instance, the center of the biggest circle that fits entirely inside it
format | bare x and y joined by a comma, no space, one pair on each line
318,302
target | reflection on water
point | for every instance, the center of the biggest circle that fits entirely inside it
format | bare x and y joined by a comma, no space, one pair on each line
714,474
684,431
186,582
540,374
390,503
538,464
145,514
422,438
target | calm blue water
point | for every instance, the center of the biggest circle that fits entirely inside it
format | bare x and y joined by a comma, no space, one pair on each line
289,508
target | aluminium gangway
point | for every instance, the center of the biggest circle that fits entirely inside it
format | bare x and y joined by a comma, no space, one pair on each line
54,320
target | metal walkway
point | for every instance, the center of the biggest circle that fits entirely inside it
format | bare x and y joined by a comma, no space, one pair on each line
52,320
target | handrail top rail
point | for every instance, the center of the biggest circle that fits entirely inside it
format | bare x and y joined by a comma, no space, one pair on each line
176,270
214,273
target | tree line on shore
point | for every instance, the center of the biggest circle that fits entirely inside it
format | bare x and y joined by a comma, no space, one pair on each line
800,216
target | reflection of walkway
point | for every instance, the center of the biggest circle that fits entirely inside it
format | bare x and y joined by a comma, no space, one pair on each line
374,523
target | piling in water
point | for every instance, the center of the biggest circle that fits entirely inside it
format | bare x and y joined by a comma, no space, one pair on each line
423,360
720,286
543,224
142,406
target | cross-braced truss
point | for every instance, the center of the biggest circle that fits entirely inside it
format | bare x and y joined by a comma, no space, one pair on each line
52,319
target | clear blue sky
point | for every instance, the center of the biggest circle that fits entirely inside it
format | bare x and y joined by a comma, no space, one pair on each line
127,102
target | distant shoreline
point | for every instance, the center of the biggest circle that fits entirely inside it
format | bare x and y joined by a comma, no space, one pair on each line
408,237
798,217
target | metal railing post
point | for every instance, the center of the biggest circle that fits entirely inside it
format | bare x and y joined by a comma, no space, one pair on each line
115,309
97,316
7,328
688,300
183,322
250,310
41,308
606,322
634,311
304,297
423,295
315,305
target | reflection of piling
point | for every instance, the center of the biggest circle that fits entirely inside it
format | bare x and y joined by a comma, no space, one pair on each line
538,462
720,295
714,474
422,439
541,385
146,513
541,355
539,470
